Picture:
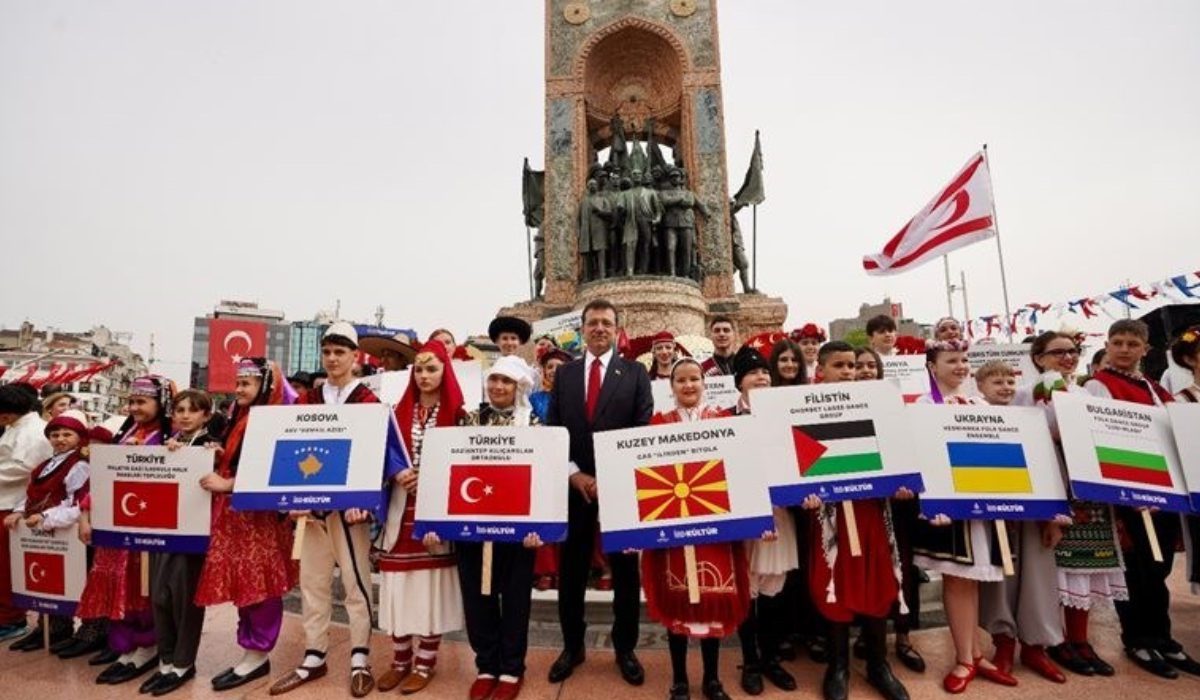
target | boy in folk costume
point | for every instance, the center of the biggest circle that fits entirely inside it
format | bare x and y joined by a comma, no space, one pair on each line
498,623
51,502
113,588
341,538
724,594
770,560
1146,616
1023,606
419,596
174,576
249,560
843,587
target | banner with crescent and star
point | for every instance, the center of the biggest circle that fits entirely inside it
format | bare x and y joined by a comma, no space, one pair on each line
318,457
682,483
228,342
149,498
494,483
48,569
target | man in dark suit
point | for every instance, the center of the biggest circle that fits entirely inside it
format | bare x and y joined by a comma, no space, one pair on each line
600,391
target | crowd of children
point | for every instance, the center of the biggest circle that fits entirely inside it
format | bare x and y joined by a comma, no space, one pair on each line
796,583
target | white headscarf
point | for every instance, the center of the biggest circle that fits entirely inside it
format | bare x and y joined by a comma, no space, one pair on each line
515,369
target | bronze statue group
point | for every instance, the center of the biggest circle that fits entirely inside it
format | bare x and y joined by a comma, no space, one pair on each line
797,588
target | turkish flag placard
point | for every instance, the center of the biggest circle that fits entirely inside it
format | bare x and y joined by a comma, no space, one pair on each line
228,342
148,504
45,573
489,489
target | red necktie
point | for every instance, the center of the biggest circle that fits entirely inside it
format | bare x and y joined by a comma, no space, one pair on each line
593,389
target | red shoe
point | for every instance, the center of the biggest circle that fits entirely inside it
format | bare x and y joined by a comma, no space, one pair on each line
604,583
482,688
1006,648
507,690
1033,656
957,684
995,675
542,583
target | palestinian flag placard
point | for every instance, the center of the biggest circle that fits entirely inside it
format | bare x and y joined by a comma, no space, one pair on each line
845,447
840,442
1121,452
987,462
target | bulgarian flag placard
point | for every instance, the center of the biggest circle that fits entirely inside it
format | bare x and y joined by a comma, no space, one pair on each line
840,442
1120,452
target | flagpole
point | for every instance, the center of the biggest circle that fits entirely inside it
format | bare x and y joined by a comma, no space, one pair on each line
999,247
754,244
949,288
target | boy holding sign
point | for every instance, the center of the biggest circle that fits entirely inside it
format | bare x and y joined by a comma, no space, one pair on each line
1146,616
52,502
846,585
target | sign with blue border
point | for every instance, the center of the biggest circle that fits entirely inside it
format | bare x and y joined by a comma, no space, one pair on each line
48,569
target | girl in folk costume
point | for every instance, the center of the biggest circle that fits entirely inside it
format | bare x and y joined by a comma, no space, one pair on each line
844,587
962,551
113,588
809,338
51,502
770,561
724,587
1186,353
498,623
419,596
1088,564
174,576
249,559
1146,616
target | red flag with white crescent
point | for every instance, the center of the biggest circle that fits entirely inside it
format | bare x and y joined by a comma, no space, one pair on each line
46,573
228,342
961,214
146,504
486,489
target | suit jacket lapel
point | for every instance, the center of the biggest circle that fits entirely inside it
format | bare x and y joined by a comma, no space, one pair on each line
612,377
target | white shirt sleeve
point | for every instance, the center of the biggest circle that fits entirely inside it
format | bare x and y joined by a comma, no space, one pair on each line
1097,389
67,512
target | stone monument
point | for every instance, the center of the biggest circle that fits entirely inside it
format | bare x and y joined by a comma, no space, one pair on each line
632,77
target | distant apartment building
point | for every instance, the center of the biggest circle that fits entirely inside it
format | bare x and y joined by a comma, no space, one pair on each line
840,327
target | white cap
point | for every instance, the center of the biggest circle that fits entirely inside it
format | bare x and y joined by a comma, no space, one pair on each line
342,329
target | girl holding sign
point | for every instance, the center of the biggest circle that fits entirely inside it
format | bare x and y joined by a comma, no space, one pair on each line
113,588
1089,566
249,559
707,611
419,594
964,552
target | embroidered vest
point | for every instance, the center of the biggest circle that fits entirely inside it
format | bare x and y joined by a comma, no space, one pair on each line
1126,388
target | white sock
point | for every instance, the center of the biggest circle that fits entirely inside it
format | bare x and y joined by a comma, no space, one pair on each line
164,668
251,660
359,660
505,678
180,670
125,658
141,655
310,661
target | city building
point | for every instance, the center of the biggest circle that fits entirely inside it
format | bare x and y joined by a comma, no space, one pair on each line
839,328
96,366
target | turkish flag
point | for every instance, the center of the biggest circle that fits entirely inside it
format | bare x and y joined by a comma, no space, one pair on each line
146,504
46,573
490,489
228,342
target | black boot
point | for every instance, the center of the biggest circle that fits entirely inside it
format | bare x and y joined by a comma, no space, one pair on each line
836,685
879,673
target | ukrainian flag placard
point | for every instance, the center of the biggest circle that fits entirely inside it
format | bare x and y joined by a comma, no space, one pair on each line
989,467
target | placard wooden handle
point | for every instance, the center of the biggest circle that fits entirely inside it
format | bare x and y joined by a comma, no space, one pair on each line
145,572
298,541
1153,535
485,581
692,574
1006,556
852,529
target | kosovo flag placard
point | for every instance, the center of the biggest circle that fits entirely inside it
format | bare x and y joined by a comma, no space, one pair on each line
314,462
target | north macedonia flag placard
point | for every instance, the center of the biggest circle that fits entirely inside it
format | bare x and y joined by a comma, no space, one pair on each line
682,490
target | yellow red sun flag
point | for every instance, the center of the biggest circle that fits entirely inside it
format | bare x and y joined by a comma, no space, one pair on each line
681,490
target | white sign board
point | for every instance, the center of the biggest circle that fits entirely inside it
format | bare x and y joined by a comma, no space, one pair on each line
564,328
719,392
494,483
987,462
681,483
909,373
48,569
149,498
1185,419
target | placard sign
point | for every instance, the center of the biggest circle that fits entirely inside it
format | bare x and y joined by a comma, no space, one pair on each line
494,483
719,392
564,328
48,569
681,483
1185,419
313,457
1120,452
149,498
1015,355
909,373
987,462
841,442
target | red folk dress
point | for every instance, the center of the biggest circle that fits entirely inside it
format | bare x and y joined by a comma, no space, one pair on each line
723,569
866,585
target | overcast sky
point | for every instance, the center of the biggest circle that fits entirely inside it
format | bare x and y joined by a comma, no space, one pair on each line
158,156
